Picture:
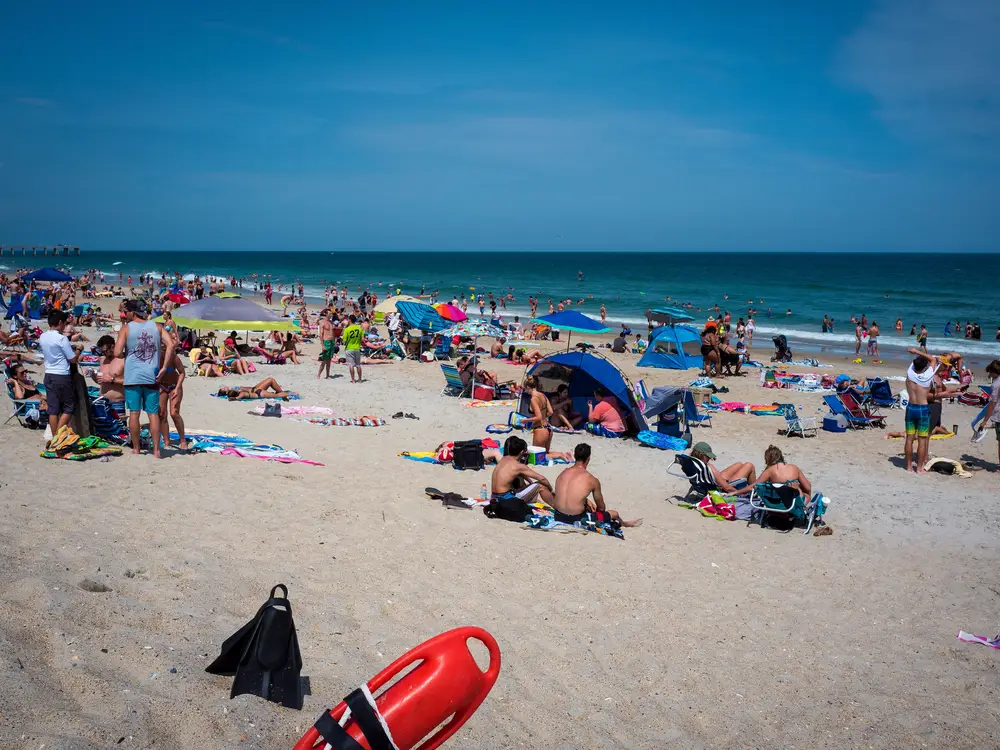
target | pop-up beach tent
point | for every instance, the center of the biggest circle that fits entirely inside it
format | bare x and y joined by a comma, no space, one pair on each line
584,372
666,348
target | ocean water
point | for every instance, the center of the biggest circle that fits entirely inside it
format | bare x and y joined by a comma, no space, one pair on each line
928,289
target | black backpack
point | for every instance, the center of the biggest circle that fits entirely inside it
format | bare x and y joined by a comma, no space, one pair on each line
507,509
468,454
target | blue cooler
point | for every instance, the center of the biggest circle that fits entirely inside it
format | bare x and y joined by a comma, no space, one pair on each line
830,424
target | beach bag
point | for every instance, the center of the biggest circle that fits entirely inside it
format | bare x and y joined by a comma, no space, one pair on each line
507,509
468,454
271,409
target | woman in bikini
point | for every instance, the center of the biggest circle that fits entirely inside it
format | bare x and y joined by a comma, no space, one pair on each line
267,388
288,349
208,365
171,395
710,349
231,358
541,412
24,389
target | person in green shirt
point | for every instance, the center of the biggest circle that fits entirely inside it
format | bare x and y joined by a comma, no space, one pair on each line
352,337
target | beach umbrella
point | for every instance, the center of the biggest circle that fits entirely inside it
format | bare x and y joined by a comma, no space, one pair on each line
474,329
670,315
388,305
178,298
571,320
449,312
419,315
228,295
235,313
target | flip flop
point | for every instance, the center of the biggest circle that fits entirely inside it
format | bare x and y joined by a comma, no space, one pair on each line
398,415
434,493
823,531
412,416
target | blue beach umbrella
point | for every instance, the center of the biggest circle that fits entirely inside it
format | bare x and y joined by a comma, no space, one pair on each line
571,320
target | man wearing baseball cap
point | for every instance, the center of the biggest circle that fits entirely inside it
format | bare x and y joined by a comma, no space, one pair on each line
737,479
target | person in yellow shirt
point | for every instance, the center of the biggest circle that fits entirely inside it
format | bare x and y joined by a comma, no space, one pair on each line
352,337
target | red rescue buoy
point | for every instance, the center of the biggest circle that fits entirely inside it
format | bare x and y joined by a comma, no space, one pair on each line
447,685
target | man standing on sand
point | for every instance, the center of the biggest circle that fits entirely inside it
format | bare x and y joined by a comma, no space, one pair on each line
919,378
110,375
60,395
857,339
574,486
352,337
873,333
328,342
139,342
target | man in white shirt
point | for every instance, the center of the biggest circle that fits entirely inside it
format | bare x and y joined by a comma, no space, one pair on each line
393,322
59,355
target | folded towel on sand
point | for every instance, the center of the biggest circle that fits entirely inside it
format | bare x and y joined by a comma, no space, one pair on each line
345,421
981,639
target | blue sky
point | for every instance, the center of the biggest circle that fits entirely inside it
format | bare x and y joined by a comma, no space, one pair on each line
608,126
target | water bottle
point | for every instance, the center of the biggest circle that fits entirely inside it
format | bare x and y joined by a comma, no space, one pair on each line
483,493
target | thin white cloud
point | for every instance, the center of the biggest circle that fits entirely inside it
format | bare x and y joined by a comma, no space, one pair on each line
932,67
34,101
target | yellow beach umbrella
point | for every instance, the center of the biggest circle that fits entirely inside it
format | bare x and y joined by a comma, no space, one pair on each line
388,305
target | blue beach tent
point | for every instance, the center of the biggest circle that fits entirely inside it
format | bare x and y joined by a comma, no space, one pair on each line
46,274
584,372
424,317
667,348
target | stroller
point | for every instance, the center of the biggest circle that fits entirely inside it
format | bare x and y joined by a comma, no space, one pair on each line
781,351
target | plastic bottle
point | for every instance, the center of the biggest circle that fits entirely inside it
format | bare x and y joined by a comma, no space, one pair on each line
483,493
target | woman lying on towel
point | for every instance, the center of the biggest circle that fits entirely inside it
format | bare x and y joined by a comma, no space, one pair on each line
267,388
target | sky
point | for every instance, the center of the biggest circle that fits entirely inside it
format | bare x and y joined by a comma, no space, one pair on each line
716,126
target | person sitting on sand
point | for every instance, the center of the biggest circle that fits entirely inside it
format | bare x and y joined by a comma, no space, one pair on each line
571,501
208,364
267,388
736,479
604,410
23,388
524,357
231,358
497,350
777,471
287,349
513,479
562,409
110,375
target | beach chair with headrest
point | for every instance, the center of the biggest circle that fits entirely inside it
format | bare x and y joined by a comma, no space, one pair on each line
785,501
269,359
838,409
698,474
794,424
453,385
692,416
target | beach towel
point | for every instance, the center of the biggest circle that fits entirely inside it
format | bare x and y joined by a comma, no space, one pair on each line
942,436
661,441
542,519
426,457
289,397
68,445
980,639
599,430
947,466
296,411
483,404
282,457
366,421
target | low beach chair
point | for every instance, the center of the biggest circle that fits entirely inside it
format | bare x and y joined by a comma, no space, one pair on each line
269,359
796,424
838,409
692,416
784,500
880,394
855,408
698,474
443,349
453,385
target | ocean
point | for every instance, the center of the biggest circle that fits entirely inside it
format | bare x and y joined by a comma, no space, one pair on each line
919,289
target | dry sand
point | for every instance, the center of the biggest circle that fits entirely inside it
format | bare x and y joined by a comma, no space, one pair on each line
690,633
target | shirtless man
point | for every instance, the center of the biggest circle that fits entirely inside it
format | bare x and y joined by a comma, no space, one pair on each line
328,340
919,378
779,472
857,339
873,334
574,487
513,479
110,375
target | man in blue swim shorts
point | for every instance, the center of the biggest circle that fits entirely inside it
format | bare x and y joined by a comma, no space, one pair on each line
920,377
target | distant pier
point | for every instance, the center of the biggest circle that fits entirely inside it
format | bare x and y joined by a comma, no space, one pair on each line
54,250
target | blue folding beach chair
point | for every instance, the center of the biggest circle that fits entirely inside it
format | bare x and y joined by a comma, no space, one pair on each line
880,394
692,416
453,385
22,406
803,426
785,501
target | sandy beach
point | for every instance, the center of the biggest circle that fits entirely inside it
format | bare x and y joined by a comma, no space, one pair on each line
689,633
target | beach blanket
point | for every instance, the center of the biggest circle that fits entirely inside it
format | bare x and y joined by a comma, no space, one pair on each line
661,441
980,639
281,458
366,421
542,519
483,404
760,410
296,411
289,397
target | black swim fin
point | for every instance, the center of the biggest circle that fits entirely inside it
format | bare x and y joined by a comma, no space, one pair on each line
264,654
